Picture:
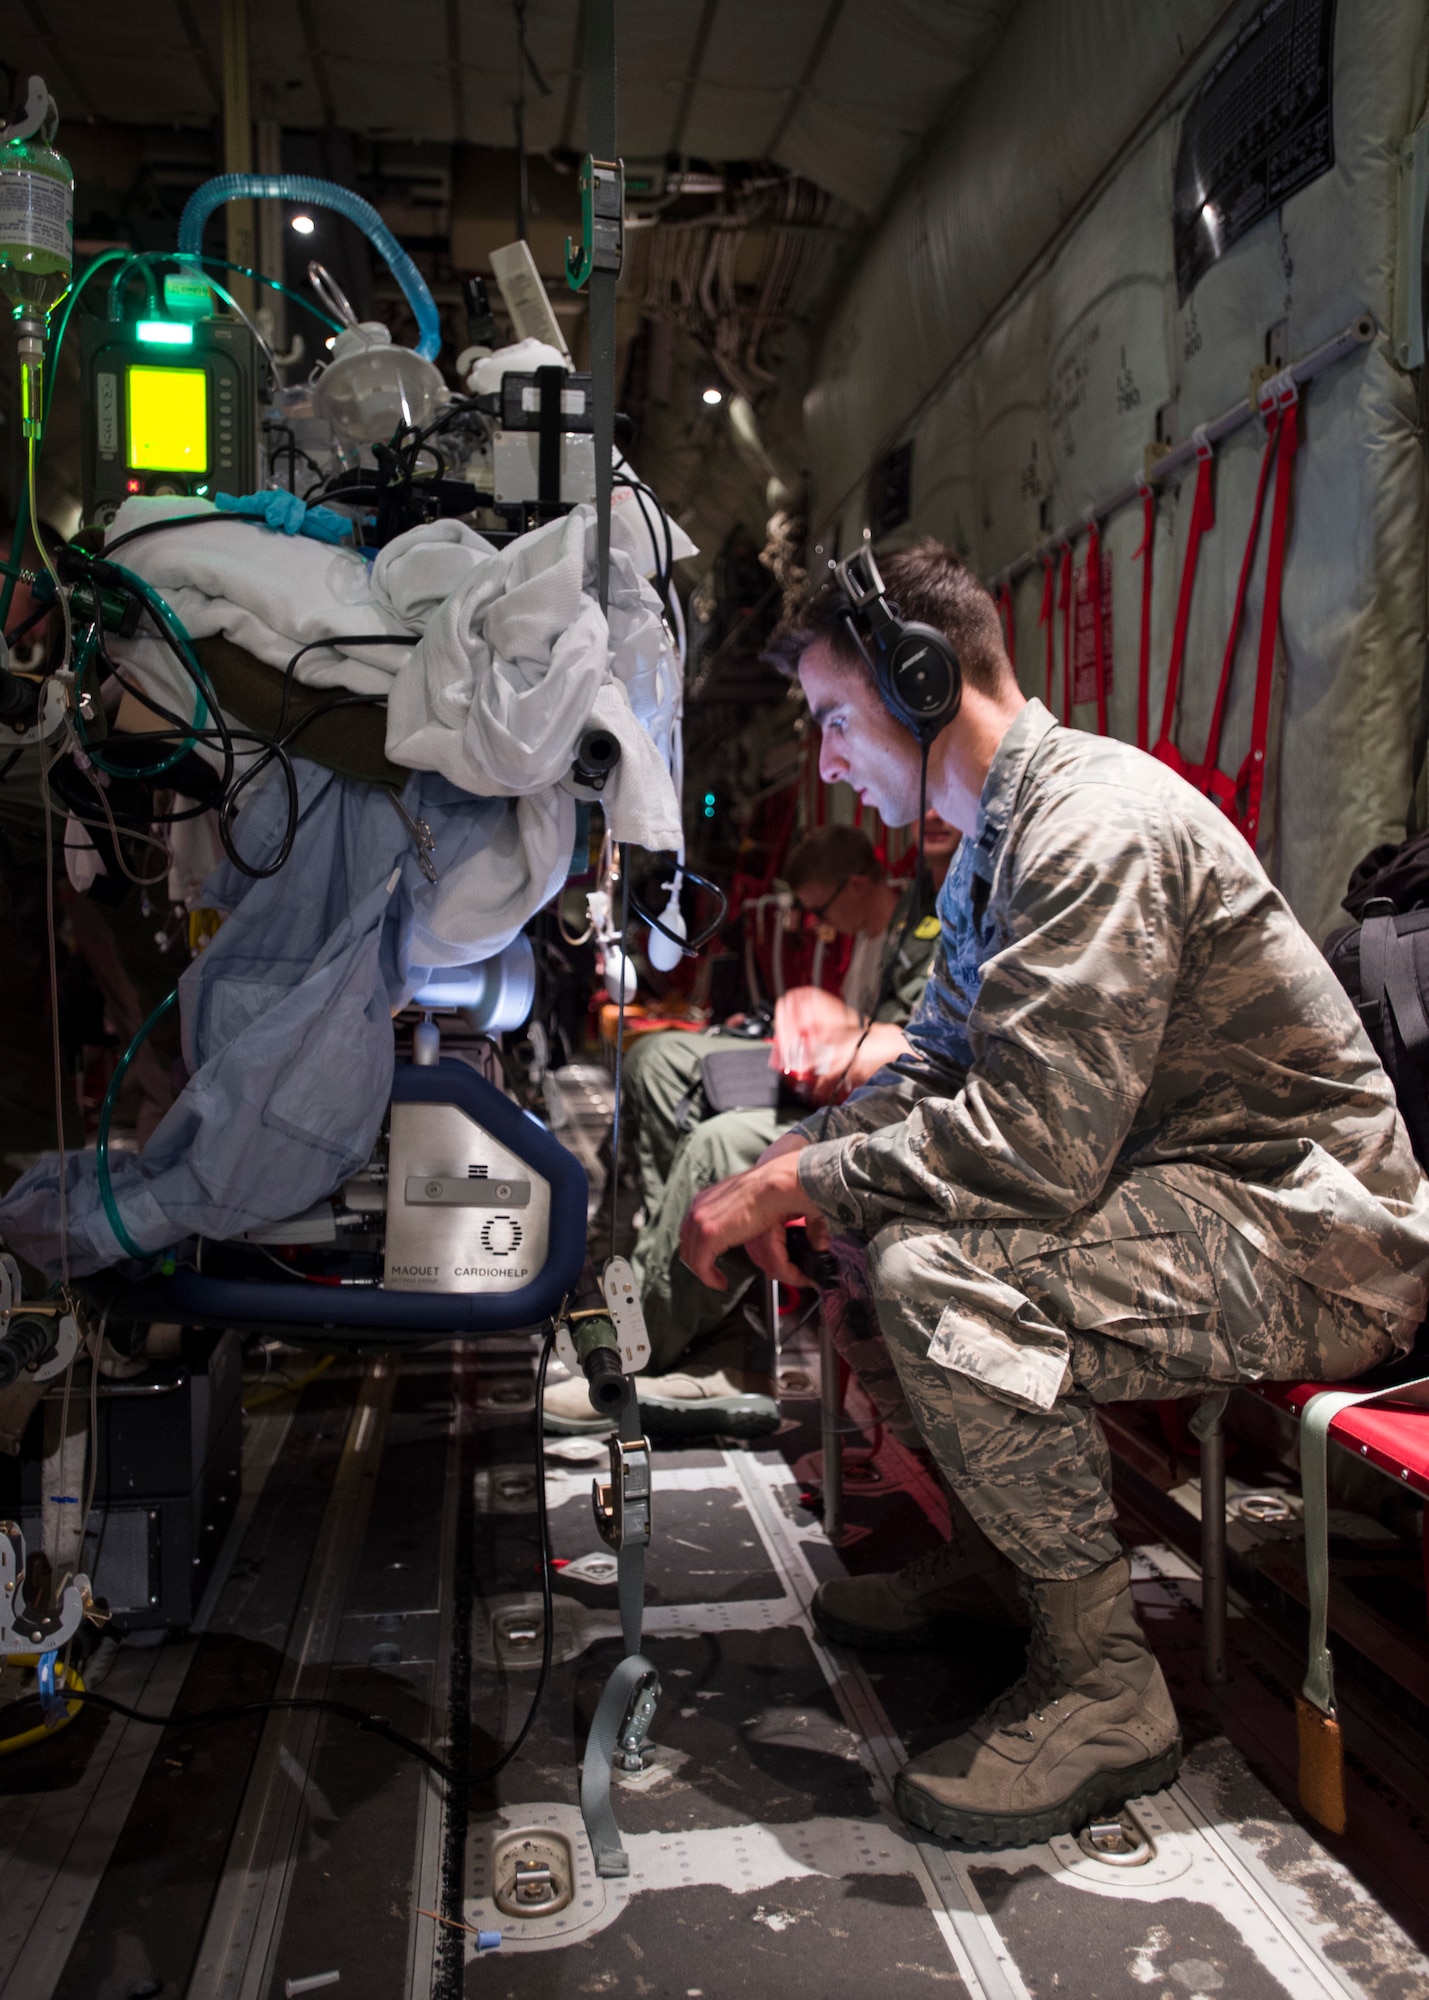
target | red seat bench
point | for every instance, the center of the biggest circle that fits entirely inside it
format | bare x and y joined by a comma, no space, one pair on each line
1396,1440
1393,1438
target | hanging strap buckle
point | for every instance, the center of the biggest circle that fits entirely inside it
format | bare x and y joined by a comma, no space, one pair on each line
1277,395
622,1507
1204,448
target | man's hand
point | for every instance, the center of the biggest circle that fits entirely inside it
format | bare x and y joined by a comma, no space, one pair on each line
750,1209
808,1024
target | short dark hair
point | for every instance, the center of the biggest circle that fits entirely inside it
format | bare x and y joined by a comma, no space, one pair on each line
831,854
928,583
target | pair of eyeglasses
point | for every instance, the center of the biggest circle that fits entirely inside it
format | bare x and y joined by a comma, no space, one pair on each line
821,912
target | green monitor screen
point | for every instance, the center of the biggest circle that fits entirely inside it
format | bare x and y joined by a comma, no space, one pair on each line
168,419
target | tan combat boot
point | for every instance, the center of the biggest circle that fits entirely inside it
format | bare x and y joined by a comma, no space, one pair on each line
690,1402
1089,1726
930,1602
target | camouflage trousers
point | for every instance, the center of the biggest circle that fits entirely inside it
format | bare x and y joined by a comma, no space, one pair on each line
848,1310
1006,1336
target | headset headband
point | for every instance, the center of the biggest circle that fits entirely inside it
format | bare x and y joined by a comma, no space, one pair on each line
914,667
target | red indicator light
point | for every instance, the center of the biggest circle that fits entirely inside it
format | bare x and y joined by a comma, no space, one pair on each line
133,486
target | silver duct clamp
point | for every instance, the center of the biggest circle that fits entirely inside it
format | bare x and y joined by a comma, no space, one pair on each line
622,1508
23,1630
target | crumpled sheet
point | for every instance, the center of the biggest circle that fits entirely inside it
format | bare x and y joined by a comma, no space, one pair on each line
511,654
286,1017
492,661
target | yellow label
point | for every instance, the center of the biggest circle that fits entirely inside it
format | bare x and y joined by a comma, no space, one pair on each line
204,926
929,928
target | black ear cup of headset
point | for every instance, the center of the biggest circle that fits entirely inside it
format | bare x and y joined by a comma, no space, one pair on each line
914,667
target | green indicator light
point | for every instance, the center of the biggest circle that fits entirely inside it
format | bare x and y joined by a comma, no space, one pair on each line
201,491
165,333
709,798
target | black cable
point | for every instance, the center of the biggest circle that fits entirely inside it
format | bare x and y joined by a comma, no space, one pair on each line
543,1535
691,947
666,575
27,625
892,959
277,751
11,761
175,521
273,747
661,576
333,640
290,829
374,1725
377,1725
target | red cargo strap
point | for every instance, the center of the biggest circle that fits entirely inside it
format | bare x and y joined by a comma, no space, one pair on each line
1252,772
1207,776
1009,625
1094,592
1064,605
1143,670
1203,517
1044,617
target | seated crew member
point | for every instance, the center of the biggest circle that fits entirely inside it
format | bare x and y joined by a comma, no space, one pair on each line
835,874
1143,1149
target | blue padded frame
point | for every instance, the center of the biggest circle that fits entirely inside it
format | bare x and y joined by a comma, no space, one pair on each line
189,1295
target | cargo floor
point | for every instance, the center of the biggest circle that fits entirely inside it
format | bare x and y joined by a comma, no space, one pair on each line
385,1555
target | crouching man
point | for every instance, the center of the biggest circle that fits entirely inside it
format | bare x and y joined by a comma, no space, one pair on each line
1143,1149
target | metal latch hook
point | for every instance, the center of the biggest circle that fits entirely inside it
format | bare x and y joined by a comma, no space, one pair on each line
622,1507
602,246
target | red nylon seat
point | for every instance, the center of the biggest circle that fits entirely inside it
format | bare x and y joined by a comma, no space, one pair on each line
1395,1440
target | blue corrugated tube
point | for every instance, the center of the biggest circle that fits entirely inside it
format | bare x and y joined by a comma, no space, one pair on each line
320,194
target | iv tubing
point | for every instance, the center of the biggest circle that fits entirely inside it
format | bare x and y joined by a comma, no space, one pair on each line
323,194
101,1144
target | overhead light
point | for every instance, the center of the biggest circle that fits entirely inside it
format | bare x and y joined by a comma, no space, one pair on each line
165,333
304,225
714,397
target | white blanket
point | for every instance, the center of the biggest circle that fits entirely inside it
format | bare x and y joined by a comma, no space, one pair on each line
510,658
517,663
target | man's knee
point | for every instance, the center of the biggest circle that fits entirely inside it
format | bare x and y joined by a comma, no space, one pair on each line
892,1261
726,1144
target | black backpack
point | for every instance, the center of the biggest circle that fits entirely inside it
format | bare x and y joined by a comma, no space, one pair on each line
1383,964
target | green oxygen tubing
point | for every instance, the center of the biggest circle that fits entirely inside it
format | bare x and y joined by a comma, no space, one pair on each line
106,1114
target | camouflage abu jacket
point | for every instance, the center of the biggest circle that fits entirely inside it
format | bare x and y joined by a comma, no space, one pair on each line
1118,985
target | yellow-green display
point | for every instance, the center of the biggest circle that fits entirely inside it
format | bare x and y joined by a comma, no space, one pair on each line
168,419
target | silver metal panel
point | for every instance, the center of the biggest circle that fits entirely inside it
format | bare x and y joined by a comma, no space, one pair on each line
437,1245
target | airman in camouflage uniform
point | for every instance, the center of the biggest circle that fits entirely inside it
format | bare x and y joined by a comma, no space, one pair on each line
1173,1161
1143,1149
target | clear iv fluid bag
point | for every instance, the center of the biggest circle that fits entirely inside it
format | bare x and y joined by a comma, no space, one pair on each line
36,224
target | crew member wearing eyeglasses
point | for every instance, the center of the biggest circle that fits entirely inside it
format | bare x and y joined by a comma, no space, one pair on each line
824,1046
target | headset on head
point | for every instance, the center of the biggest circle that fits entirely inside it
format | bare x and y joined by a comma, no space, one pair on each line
914,668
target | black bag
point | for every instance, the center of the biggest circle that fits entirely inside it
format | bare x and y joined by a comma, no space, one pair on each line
1383,964
1398,873
741,1079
